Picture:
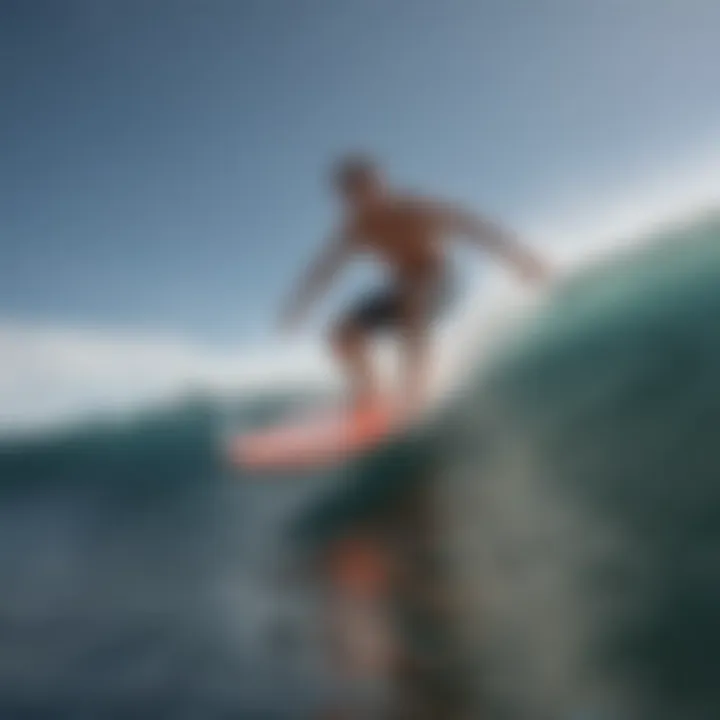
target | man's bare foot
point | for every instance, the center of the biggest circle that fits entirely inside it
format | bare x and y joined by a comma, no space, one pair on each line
367,401
411,404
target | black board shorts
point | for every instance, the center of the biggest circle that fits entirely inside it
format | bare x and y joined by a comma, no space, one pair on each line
383,309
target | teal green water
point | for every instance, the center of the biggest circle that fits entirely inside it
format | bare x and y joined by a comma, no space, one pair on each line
587,477
138,576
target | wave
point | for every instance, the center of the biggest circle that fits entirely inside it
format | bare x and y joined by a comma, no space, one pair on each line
582,495
138,574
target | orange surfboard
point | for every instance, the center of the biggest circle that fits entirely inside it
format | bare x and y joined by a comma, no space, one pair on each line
316,441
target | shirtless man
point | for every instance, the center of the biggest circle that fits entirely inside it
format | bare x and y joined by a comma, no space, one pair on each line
407,234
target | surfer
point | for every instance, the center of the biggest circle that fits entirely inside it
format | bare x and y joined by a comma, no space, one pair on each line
407,234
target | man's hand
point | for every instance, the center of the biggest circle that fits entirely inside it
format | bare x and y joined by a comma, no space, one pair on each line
533,270
315,280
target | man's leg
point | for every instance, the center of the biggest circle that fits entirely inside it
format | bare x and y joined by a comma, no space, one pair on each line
350,340
415,334
416,362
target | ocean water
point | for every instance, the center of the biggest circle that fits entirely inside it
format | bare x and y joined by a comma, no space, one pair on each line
139,577
583,495
579,478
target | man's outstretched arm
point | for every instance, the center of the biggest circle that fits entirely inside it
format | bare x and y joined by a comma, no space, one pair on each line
315,281
493,237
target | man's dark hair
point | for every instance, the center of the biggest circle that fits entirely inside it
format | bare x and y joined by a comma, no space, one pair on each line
354,169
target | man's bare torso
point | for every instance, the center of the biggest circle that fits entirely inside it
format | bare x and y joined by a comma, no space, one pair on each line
405,234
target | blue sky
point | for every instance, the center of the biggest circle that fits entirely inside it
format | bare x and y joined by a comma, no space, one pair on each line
162,162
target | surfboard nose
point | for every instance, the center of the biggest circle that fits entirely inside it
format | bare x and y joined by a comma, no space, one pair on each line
316,442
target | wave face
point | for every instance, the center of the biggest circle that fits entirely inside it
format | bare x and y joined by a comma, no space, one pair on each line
582,488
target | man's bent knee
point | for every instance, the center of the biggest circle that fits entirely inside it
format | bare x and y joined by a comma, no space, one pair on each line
346,338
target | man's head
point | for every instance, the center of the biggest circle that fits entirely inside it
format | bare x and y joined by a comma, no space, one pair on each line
358,180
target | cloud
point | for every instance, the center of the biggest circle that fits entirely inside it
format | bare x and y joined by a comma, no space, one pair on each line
48,374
